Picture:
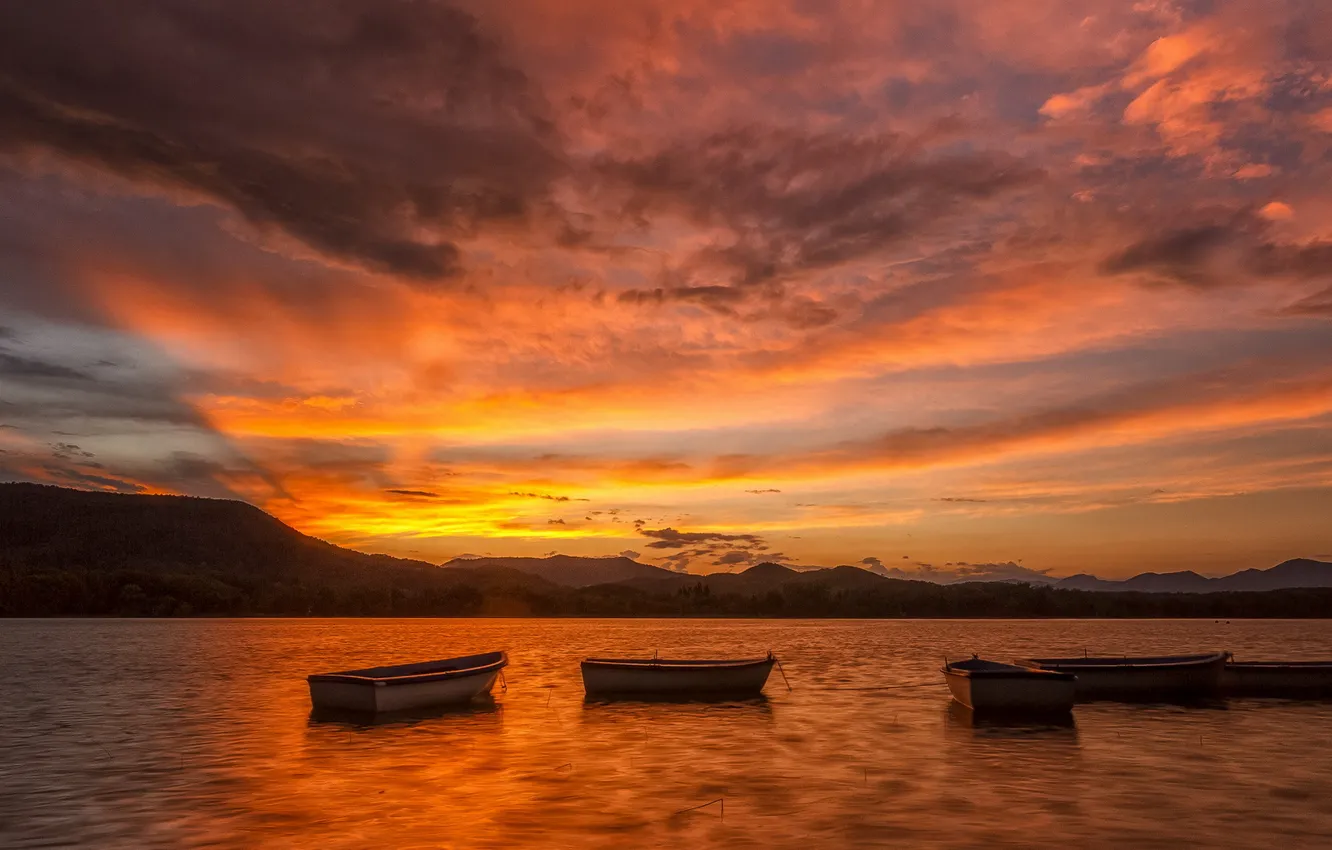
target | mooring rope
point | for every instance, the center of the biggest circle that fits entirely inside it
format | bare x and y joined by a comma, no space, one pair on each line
721,800
782,670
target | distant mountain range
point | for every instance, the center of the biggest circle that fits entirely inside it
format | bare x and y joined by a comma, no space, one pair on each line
1297,572
575,571
76,552
86,553
570,570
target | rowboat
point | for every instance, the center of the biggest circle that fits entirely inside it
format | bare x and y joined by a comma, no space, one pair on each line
991,686
1174,676
1278,679
675,677
450,681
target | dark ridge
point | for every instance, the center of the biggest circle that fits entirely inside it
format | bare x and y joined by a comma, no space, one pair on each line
570,570
769,571
1288,575
74,553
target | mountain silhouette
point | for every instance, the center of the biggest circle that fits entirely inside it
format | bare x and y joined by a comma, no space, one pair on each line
58,527
768,576
570,570
71,552
75,547
1297,572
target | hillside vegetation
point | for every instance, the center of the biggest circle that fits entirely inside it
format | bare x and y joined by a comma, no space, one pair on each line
73,553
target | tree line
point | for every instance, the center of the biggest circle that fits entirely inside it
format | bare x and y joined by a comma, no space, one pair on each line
47,592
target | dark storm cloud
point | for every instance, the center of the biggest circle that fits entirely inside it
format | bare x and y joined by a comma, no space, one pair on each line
669,538
141,405
69,465
58,239
13,366
678,562
77,478
766,53
353,127
206,476
1177,398
189,467
805,313
62,463
69,451
546,496
98,387
803,202
1179,254
44,391
1318,304
1221,253
719,298
1310,260
746,303
714,548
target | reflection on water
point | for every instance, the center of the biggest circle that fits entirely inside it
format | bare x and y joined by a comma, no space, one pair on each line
961,717
674,699
200,733
406,717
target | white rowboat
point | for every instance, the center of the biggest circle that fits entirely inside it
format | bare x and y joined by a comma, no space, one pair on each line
450,681
989,686
1144,678
675,677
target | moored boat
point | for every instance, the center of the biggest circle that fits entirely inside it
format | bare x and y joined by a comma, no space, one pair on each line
1277,679
676,677
449,681
994,687
1140,678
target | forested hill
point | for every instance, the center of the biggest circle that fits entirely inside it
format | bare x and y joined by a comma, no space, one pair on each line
44,526
571,570
74,553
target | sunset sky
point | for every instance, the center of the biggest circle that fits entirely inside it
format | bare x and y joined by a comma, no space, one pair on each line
969,288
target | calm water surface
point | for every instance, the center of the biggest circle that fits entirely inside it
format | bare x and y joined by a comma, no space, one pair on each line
124,733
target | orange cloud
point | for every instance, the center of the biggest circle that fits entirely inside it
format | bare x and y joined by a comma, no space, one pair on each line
897,265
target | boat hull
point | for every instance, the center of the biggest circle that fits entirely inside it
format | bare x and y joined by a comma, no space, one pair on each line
1190,677
403,687
380,697
665,678
1013,694
1278,679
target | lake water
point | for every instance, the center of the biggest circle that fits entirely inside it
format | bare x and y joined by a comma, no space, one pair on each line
134,733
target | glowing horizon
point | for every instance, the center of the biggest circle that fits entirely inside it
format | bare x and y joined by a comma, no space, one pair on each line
1043,286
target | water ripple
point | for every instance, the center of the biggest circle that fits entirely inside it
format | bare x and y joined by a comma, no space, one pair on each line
199,733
